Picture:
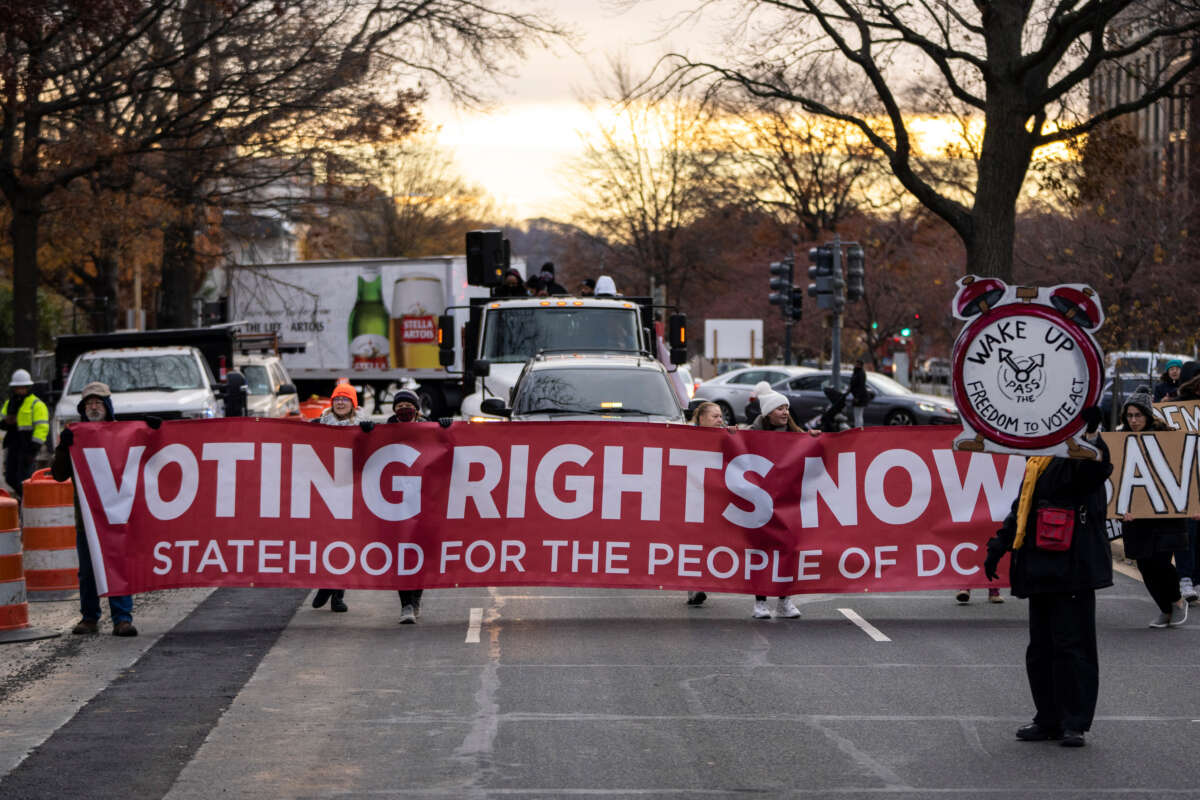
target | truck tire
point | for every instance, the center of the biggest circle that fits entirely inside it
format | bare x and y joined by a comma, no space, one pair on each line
433,402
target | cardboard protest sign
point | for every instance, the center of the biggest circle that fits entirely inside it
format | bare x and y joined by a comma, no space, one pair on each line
1155,474
1182,414
1025,366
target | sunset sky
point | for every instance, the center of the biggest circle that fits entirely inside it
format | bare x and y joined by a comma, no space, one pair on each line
518,148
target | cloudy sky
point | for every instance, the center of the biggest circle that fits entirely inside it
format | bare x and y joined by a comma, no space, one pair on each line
517,149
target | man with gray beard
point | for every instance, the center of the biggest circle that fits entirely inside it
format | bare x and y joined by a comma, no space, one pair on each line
95,406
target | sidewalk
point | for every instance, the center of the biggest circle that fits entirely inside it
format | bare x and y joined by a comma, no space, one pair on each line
46,682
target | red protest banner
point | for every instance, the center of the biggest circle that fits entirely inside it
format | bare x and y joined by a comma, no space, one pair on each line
242,502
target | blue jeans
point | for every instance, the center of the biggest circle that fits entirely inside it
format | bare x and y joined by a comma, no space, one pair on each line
1185,560
120,606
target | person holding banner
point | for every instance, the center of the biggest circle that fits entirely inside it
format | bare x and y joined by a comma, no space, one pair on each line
406,408
706,415
1150,542
343,411
776,416
1060,557
95,405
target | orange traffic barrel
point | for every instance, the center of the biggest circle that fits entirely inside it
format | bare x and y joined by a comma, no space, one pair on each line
313,407
48,520
14,607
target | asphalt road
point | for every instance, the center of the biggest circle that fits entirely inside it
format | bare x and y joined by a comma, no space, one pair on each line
614,694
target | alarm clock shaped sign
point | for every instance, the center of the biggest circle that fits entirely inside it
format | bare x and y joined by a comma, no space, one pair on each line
1025,366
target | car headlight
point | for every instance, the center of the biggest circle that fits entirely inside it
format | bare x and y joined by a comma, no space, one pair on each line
928,408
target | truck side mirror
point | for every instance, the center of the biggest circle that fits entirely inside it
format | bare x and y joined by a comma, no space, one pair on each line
495,406
287,388
482,368
677,338
445,340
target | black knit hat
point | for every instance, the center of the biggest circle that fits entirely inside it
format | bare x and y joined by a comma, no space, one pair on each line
406,396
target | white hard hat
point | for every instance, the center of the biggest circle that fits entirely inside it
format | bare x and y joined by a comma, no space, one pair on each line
21,377
605,286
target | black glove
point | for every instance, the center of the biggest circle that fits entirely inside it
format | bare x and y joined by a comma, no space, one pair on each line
990,564
154,422
445,422
1092,416
367,426
67,437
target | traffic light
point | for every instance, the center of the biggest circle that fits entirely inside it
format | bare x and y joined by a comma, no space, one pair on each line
783,293
916,321
837,290
820,272
797,309
855,273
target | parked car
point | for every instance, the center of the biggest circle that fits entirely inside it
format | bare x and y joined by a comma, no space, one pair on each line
165,382
732,390
893,403
591,387
272,393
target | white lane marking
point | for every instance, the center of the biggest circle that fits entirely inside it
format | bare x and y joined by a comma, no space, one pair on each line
867,627
473,625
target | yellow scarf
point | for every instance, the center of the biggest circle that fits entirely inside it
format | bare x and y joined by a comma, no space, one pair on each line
1034,467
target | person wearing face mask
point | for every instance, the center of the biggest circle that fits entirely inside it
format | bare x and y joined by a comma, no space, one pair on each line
406,408
1149,541
343,411
95,407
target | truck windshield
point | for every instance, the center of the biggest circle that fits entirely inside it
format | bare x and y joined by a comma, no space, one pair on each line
257,380
596,391
166,373
516,334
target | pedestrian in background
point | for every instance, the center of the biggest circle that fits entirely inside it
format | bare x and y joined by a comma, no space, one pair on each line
705,415
587,287
95,405
753,409
343,411
512,286
775,416
25,421
859,393
1167,387
1061,661
549,281
406,408
1151,541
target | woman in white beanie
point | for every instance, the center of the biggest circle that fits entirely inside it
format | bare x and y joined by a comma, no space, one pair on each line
776,416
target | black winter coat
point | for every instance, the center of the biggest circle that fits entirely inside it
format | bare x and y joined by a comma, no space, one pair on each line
1148,537
1067,483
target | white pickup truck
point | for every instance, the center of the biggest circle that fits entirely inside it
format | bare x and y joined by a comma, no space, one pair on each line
165,382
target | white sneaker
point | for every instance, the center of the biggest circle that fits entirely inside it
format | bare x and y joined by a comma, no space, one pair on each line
786,609
760,610
1188,590
407,616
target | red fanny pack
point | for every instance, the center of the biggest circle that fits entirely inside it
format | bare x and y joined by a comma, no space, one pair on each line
1055,527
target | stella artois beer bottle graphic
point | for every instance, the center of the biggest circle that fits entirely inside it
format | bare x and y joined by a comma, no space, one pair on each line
416,302
369,324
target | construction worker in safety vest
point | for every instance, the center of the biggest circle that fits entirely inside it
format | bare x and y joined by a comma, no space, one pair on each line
26,423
